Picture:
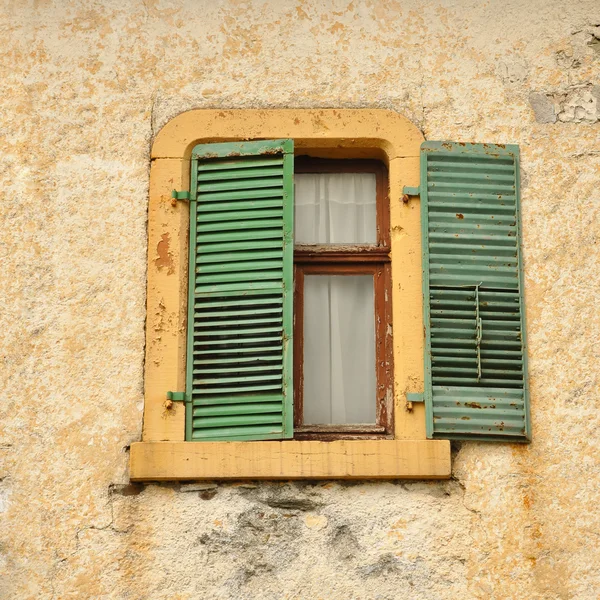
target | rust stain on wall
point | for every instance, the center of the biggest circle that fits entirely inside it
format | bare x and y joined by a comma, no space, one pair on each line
165,256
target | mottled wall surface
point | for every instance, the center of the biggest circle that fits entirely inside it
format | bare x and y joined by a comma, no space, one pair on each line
85,87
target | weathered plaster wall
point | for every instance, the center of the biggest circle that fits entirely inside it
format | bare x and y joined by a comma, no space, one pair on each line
85,87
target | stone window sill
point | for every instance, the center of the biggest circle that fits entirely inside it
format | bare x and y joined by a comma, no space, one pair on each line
340,459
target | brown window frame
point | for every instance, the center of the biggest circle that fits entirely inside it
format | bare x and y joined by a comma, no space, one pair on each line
356,259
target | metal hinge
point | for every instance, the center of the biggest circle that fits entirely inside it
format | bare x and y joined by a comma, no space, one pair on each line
175,195
410,191
412,397
175,397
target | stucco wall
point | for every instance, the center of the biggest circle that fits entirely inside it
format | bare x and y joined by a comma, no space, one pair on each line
85,87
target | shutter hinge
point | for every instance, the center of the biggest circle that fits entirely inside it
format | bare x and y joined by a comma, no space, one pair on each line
413,397
175,397
175,195
410,191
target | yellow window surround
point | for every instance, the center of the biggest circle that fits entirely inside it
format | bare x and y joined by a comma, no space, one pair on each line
163,454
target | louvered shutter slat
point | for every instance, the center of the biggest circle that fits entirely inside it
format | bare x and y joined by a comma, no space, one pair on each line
240,316
475,359
234,166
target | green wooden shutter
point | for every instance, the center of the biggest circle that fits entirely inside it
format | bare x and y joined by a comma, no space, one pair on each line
475,357
239,350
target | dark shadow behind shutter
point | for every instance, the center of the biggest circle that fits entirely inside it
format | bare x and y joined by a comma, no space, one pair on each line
475,356
239,351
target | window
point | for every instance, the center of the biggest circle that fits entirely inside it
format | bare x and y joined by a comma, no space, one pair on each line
342,303
456,299
238,383
240,302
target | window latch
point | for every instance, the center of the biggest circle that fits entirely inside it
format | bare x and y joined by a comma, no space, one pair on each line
175,195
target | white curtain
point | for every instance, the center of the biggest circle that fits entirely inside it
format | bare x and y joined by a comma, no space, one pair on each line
339,349
335,208
339,312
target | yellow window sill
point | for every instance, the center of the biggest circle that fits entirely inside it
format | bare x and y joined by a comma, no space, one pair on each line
341,459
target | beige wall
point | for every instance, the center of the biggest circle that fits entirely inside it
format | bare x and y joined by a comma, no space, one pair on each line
85,88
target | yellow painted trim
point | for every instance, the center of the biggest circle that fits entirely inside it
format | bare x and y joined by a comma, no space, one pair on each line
166,301
369,459
380,134
358,131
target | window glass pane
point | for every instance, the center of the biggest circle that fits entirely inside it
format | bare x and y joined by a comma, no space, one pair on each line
335,208
339,350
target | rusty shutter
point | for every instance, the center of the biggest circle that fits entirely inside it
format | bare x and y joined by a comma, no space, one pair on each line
475,357
239,350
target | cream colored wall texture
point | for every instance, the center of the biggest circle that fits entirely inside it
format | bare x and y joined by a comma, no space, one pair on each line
86,86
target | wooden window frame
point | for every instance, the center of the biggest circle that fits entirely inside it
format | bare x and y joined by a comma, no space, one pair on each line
346,259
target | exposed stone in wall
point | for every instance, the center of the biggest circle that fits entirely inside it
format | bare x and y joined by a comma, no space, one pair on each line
577,100
86,87
579,104
543,107
261,540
